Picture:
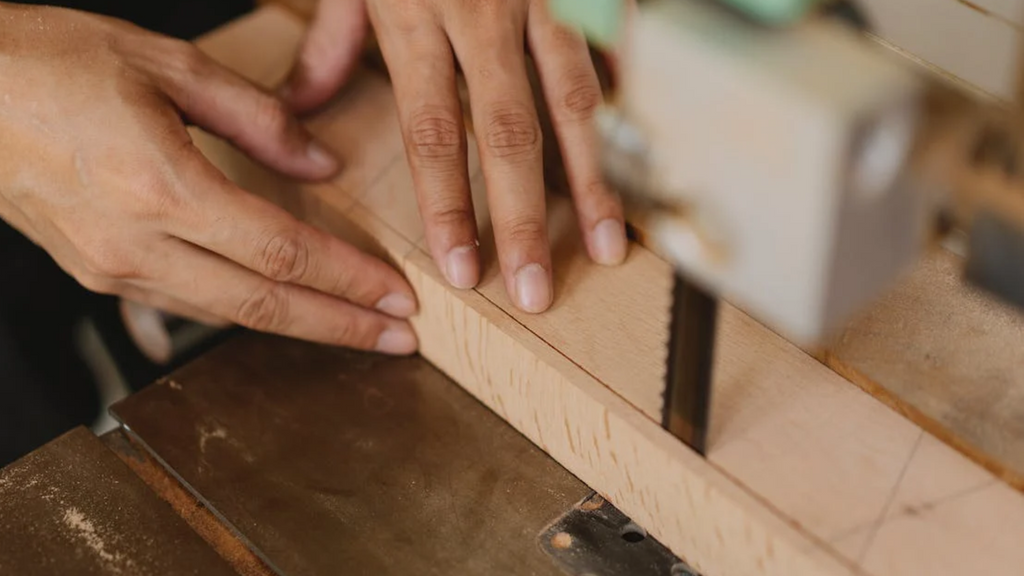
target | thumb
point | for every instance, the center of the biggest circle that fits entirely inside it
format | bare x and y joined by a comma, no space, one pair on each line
328,55
262,126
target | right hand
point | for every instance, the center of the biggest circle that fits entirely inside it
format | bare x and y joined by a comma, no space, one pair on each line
96,166
421,41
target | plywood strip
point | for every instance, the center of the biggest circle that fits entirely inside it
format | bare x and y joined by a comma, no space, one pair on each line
806,474
949,357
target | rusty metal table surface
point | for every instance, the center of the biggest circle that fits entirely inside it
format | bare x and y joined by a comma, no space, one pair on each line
72,507
329,461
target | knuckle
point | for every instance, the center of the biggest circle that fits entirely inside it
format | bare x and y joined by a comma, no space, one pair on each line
513,131
582,96
272,116
487,10
97,283
450,215
186,59
567,38
525,230
345,333
165,204
284,257
104,259
403,24
435,135
344,284
155,199
599,197
264,310
356,333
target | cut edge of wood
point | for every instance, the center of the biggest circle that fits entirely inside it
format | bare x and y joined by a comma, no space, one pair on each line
847,371
728,512
692,506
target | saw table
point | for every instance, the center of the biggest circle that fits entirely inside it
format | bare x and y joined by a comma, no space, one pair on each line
274,456
292,458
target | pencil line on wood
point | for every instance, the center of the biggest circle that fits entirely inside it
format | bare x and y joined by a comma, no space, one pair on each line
888,503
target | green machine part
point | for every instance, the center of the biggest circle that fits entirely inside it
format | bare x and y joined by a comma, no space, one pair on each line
773,12
600,20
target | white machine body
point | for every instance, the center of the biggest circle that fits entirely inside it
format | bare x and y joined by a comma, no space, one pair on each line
786,155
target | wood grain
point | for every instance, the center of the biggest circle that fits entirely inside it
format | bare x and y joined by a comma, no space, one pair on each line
806,473
933,349
949,357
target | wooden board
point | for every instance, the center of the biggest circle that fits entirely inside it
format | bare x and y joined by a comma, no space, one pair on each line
72,507
935,350
806,473
950,358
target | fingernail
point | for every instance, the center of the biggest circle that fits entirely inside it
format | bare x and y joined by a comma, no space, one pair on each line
397,305
533,288
398,340
321,157
608,240
462,267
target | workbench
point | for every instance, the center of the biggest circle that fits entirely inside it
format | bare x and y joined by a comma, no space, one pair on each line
896,450
275,456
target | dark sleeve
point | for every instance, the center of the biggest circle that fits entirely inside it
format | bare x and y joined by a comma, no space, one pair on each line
184,19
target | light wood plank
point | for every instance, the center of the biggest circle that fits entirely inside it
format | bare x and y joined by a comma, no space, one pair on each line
950,358
774,407
801,461
929,512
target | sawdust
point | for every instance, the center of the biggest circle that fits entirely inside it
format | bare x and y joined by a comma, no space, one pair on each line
561,541
51,493
10,477
84,529
218,432
206,434
593,503
16,480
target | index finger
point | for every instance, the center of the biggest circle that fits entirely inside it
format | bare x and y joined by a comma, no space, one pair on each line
267,240
422,70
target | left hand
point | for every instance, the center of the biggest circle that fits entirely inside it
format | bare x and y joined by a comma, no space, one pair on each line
420,40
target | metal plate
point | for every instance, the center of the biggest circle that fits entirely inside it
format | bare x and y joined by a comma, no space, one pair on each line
72,507
596,539
198,517
335,462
